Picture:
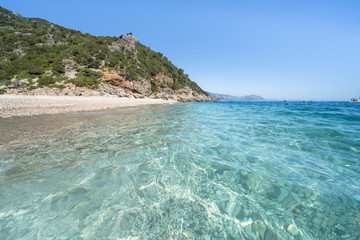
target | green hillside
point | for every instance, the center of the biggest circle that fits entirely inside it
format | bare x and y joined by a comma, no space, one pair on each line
33,48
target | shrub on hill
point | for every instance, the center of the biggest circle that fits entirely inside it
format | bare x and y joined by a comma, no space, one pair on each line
58,67
45,81
84,81
90,73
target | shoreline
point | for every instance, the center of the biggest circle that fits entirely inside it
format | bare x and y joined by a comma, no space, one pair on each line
25,105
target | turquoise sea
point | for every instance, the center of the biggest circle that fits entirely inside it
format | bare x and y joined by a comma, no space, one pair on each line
225,170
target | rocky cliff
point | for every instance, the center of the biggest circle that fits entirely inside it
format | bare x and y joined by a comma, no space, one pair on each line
38,57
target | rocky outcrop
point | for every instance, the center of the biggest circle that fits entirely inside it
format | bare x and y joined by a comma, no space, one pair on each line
164,79
112,76
105,89
71,90
112,83
128,42
70,71
183,95
143,88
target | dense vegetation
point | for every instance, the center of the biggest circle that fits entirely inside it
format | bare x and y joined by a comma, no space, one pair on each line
33,48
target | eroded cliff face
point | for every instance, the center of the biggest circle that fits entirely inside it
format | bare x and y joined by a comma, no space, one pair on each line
112,84
144,88
135,91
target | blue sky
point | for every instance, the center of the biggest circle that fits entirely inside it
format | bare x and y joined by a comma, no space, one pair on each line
276,49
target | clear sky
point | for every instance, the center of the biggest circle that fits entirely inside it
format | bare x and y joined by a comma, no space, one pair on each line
308,49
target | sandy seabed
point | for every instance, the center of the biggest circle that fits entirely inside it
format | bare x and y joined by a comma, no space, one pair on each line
22,105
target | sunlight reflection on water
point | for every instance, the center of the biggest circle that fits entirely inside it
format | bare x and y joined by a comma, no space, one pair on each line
185,171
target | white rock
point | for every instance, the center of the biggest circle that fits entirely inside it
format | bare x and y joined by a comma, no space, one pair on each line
292,229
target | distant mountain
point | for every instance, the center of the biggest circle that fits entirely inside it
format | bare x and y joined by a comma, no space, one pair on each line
226,97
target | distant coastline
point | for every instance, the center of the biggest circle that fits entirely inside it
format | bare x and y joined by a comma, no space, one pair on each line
226,97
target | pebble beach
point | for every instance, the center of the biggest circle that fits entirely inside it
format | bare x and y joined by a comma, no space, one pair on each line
22,105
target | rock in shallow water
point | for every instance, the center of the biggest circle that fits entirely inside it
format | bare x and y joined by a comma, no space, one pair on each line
269,235
292,229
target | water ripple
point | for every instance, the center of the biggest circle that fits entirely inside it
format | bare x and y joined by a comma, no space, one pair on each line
188,171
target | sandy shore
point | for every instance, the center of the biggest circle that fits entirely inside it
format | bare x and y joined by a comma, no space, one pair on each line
20,105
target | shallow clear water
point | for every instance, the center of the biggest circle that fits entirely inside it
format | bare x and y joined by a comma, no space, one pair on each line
268,170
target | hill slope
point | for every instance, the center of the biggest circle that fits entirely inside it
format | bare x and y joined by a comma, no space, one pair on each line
38,57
